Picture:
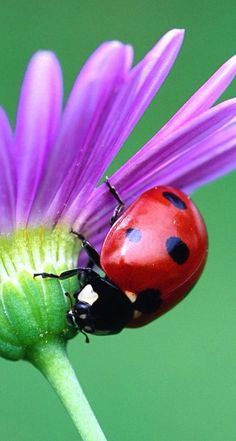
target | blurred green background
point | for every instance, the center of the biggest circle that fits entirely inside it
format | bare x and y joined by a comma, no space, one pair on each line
174,380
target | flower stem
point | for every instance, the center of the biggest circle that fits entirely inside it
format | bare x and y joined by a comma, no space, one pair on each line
51,359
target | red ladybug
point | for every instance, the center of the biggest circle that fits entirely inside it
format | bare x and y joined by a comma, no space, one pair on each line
152,256
156,251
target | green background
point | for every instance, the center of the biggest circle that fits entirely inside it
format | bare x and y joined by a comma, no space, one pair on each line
174,380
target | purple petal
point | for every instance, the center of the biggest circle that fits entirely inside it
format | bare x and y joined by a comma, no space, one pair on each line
87,107
141,85
157,152
203,98
215,158
198,164
7,182
143,82
37,122
159,164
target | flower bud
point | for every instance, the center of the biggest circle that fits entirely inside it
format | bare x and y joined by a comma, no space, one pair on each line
33,310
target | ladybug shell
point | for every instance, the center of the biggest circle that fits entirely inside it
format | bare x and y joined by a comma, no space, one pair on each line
159,243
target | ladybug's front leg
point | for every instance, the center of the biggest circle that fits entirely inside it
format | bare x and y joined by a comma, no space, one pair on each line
120,205
86,272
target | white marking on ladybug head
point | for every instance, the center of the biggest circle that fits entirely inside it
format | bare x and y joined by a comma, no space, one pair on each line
88,295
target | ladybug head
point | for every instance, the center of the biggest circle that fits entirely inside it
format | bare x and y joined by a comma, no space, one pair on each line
80,313
101,308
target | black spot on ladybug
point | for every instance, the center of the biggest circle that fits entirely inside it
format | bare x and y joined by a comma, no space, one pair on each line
175,200
133,234
148,301
177,250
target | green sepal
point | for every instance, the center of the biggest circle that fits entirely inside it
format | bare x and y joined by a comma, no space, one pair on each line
34,309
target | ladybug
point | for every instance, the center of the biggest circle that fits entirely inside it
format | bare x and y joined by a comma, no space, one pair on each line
152,256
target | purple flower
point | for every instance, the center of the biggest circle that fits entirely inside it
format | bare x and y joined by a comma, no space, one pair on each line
51,165
53,162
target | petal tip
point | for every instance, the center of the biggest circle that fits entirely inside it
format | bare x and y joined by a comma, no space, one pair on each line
231,61
171,40
44,56
111,45
175,33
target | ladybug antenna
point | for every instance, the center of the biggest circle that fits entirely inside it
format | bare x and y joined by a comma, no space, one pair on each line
86,336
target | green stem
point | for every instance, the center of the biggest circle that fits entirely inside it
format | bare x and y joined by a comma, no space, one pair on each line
51,359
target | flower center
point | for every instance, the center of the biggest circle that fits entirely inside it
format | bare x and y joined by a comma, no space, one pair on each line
32,310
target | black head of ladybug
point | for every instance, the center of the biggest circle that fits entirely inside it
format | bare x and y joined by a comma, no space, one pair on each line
101,308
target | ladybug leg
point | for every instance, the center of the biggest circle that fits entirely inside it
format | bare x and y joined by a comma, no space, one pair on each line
120,205
90,264
90,250
62,276
68,274
87,275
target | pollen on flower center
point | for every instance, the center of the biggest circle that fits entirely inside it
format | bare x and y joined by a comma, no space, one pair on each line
34,309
